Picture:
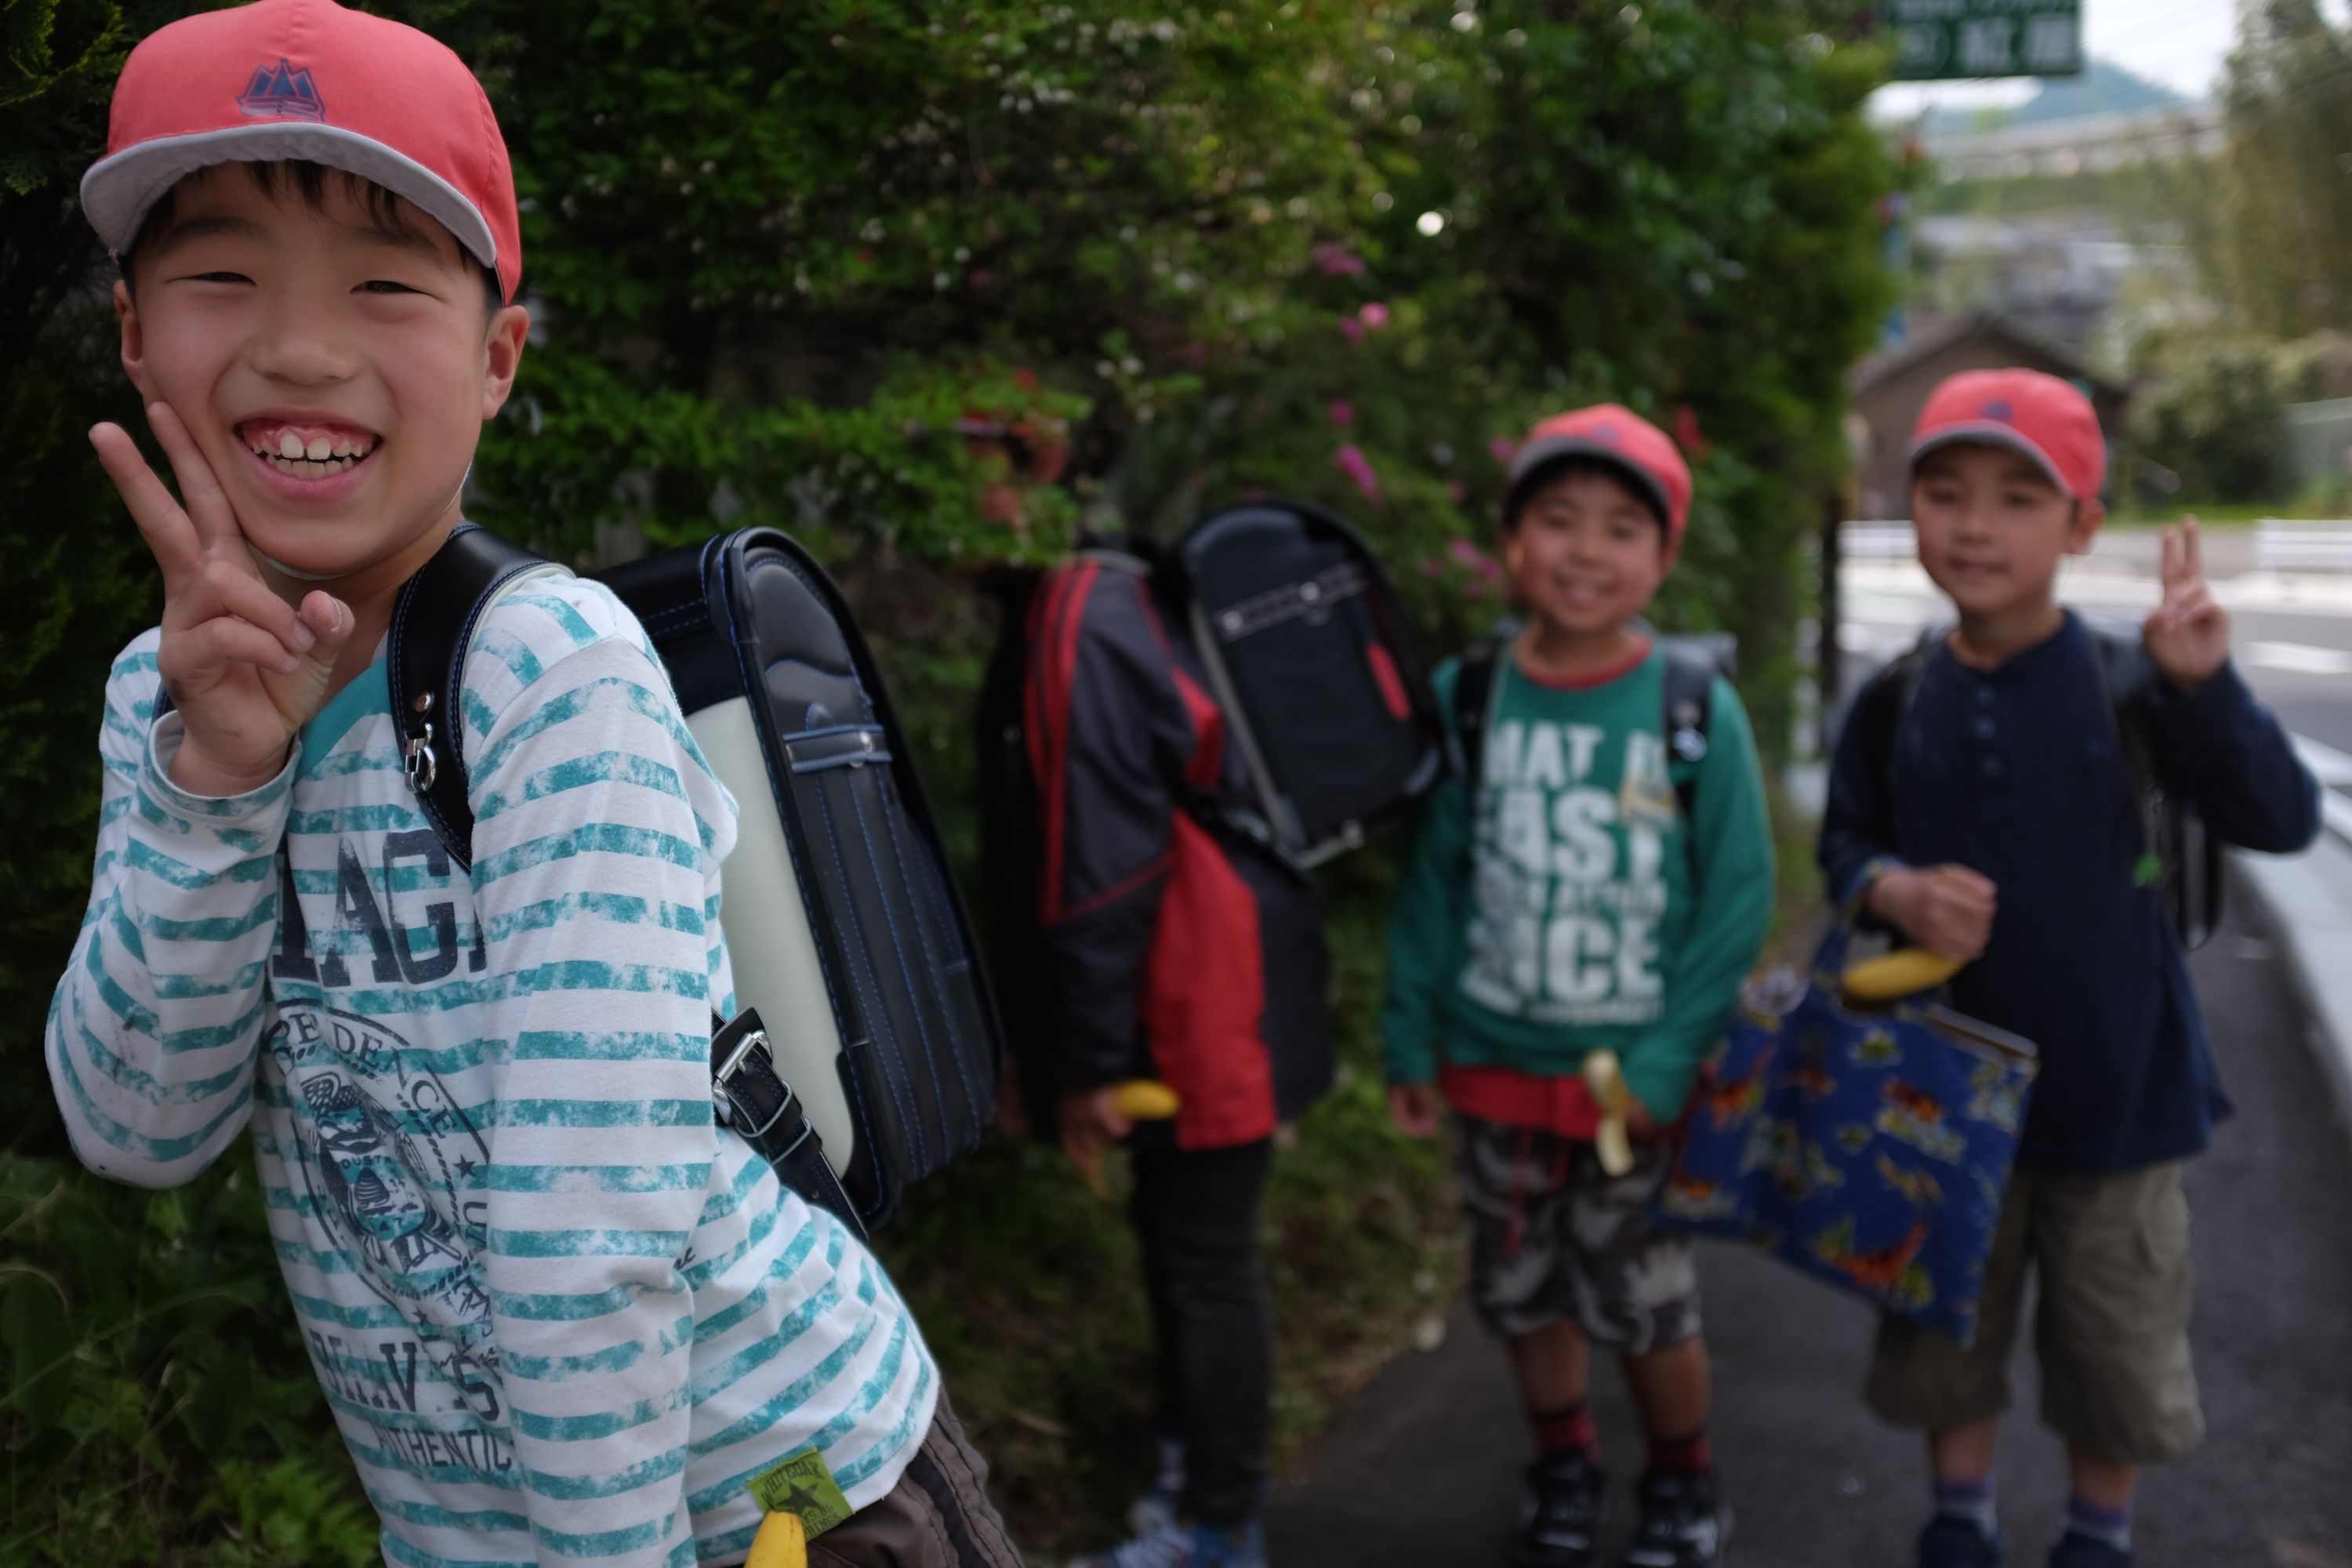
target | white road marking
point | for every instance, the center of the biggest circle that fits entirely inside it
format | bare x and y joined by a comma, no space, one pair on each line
2300,657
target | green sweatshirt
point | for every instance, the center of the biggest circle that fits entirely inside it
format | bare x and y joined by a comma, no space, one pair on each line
1557,914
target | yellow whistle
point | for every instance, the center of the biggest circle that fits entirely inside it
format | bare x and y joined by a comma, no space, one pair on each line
1142,1099
781,1543
1900,974
1606,1079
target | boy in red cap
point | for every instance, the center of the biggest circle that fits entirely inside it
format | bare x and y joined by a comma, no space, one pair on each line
1601,882
558,1312
1987,798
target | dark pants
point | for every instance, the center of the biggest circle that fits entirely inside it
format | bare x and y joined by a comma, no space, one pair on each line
1196,1214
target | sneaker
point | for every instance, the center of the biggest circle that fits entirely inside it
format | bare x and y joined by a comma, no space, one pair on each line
1949,1542
1685,1523
1559,1526
2075,1551
1155,1509
1175,1545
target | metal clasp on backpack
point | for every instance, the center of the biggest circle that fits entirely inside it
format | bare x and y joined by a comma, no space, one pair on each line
417,759
723,1098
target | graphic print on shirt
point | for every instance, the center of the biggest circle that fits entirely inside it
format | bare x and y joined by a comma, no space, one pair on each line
1570,886
386,1156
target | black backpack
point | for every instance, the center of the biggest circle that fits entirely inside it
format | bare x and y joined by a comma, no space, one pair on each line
1693,662
878,1060
2178,852
1310,656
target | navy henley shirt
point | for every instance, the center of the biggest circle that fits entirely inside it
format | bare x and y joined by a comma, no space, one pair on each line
2016,774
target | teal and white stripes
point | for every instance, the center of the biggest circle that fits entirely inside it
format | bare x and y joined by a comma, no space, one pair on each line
559,1316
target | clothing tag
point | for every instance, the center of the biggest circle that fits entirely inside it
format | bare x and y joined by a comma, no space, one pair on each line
799,1483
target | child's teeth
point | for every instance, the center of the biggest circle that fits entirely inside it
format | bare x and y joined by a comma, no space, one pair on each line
342,447
319,449
289,445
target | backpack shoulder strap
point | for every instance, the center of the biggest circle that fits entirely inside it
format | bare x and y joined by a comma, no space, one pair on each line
1473,698
1880,706
433,624
2127,684
1689,706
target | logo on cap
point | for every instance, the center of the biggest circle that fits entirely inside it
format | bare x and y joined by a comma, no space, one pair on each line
284,90
1608,433
1998,408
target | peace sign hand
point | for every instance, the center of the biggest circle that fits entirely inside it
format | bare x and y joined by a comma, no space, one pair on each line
2188,634
245,669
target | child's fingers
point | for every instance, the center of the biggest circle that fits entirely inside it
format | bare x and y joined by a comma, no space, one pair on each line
329,620
219,588
207,505
161,524
2192,550
1964,880
210,647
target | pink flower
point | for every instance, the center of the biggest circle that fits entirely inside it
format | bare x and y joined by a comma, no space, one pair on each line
1458,490
1336,261
1502,446
1476,559
1343,412
1351,328
1374,316
1352,462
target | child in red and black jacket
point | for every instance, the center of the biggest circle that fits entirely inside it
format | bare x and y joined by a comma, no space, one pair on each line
1170,950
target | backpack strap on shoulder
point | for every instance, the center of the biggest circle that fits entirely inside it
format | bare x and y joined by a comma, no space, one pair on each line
1475,684
433,624
1880,707
1689,705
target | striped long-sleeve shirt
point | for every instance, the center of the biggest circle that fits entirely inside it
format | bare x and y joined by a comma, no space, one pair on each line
561,1315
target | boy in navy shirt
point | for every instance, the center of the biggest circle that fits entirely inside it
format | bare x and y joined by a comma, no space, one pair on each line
1992,816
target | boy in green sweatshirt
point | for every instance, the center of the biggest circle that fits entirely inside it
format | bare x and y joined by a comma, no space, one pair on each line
1592,884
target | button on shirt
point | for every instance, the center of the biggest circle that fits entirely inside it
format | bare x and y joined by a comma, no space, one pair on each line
2018,773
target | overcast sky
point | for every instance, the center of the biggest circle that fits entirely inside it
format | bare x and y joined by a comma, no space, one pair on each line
2180,43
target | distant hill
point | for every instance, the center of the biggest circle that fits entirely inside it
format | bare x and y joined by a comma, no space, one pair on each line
2104,88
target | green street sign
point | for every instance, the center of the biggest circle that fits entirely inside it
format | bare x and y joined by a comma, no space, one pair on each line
1943,41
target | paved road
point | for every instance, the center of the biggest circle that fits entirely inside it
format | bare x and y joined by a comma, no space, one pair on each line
1422,1468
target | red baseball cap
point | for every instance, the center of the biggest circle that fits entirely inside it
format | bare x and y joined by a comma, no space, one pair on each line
306,79
2039,415
1624,440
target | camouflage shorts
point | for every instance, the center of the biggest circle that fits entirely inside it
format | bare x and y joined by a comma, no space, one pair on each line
1553,1236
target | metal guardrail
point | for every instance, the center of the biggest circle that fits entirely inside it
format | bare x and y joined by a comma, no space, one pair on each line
2284,546
2333,769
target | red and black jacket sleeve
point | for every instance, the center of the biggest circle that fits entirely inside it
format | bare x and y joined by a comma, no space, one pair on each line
1109,734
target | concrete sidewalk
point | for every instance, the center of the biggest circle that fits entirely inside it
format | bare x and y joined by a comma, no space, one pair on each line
1422,1467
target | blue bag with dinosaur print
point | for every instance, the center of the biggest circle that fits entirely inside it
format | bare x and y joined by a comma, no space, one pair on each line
1869,1147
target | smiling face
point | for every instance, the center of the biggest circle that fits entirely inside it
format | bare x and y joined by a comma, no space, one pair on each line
330,351
1586,552
1993,527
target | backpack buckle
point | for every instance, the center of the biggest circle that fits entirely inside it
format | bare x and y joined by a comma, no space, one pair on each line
418,761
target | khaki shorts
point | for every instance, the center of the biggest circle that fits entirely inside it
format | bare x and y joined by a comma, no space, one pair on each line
2111,1328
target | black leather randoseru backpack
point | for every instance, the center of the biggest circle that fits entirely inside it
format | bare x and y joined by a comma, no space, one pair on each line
864,1054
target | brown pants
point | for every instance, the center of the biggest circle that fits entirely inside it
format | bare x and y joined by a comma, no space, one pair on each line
938,1516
